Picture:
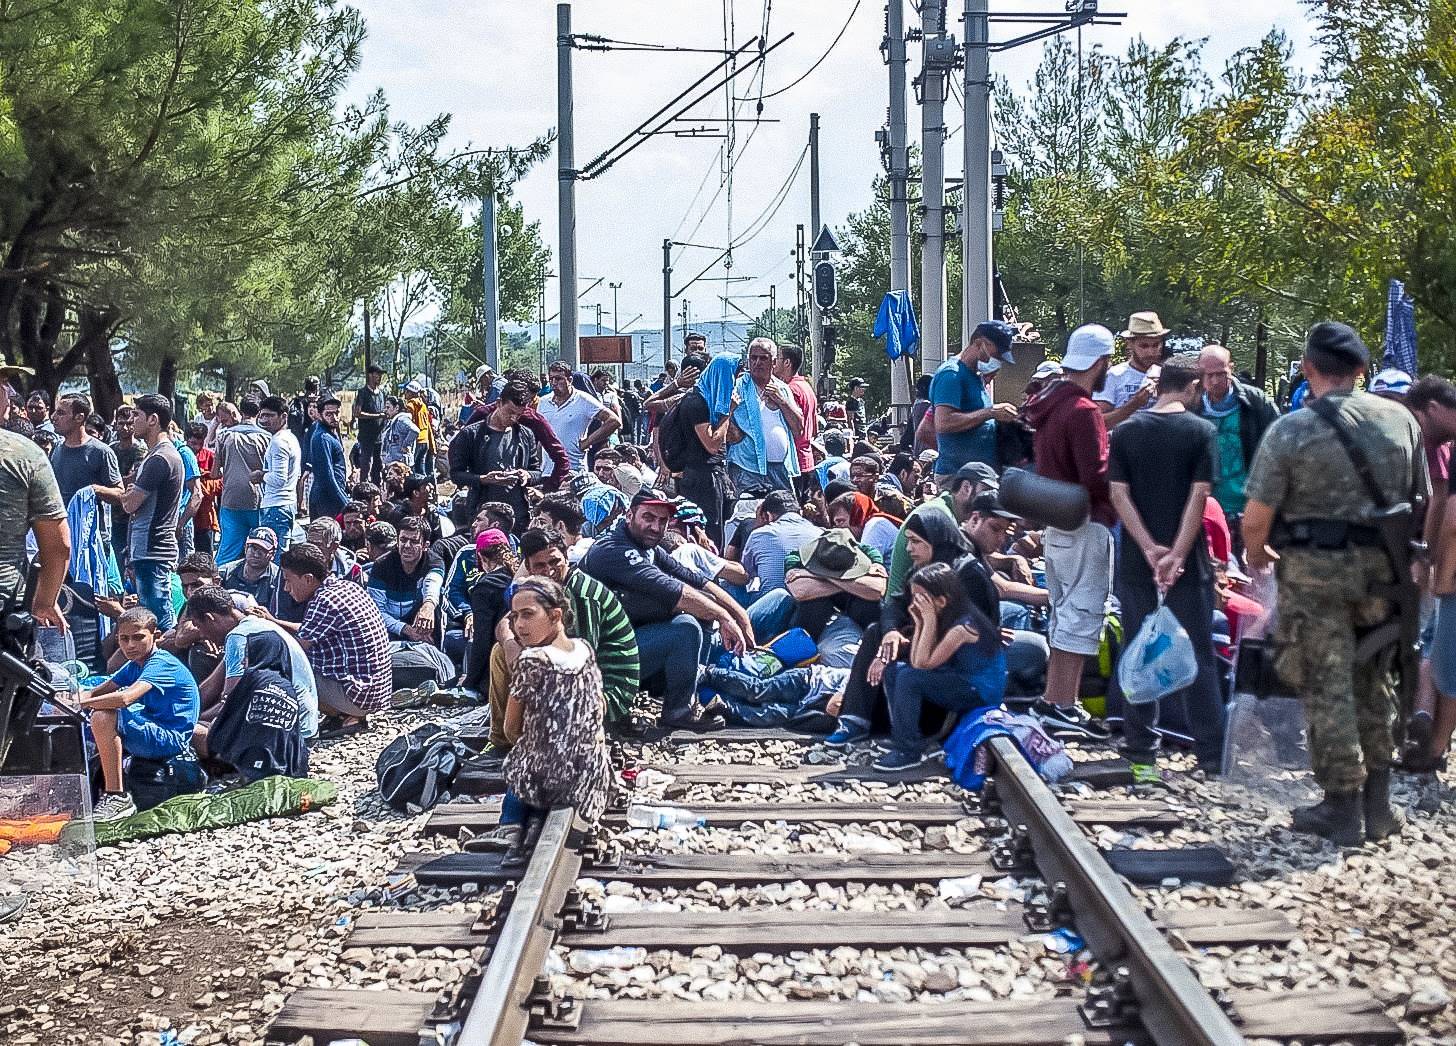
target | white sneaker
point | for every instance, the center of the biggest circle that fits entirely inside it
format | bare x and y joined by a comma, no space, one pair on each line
114,806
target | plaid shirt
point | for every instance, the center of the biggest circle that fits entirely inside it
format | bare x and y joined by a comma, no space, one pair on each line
348,642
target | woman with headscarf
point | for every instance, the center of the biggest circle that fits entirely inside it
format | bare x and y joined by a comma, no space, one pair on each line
258,730
693,437
864,518
931,537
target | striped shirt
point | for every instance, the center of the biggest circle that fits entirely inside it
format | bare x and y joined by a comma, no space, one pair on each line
599,620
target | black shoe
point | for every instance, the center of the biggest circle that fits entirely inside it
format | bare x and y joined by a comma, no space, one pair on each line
1338,817
1069,721
704,723
1381,819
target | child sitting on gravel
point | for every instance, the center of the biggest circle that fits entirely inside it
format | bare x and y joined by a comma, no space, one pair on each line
147,709
956,662
554,719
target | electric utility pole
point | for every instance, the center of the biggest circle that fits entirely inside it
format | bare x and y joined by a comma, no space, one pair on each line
566,184
666,301
898,165
937,60
816,318
976,294
490,277
801,322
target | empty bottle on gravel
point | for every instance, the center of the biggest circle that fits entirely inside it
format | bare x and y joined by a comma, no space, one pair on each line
663,817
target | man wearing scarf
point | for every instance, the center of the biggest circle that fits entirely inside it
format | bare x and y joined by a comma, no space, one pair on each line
766,421
1241,414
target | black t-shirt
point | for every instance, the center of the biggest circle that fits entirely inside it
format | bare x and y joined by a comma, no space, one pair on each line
649,582
1160,457
693,411
370,401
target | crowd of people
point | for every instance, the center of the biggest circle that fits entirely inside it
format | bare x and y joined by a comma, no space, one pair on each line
252,577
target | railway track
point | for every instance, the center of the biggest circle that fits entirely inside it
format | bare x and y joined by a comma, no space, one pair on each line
699,912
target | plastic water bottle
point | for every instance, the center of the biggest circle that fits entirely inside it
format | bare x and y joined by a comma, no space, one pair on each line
586,962
663,817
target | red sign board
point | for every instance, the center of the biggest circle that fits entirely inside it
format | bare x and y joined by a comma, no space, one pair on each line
606,348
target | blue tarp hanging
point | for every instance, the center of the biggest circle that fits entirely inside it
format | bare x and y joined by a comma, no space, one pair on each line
896,324
1400,330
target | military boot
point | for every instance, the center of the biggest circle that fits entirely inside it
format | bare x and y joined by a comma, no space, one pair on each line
1381,819
1339,817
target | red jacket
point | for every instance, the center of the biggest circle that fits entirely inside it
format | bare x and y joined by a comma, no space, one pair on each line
545,435
1071,442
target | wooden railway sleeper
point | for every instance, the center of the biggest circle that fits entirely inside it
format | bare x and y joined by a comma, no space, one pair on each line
1014,853
1051,910
1111,999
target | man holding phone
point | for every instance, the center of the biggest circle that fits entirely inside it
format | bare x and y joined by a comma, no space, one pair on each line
499,458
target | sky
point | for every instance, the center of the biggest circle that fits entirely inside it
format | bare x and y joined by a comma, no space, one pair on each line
491,65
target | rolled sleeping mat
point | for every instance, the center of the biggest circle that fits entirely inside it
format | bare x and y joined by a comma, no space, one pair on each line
1043,500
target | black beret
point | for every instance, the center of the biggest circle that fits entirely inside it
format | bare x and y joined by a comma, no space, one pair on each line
1338,340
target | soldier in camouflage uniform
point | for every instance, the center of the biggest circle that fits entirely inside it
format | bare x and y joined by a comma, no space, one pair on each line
1328,560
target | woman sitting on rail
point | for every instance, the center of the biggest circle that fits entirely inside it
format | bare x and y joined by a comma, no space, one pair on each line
956,662
554,719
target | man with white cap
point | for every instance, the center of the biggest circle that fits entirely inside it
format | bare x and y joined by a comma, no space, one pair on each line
1071,446
1130,385
1241,414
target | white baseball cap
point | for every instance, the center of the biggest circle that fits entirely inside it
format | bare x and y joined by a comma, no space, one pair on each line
1088,344
1391,381
1049,369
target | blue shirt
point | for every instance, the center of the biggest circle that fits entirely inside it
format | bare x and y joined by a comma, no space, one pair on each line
190,471
171,701
769,546
959,387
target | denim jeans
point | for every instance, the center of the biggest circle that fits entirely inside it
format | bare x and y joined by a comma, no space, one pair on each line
280,521
907,689
513,811
771,613
235,524
672,649
744,481
154,589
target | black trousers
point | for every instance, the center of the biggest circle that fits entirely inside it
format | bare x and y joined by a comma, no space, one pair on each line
707,487
371,464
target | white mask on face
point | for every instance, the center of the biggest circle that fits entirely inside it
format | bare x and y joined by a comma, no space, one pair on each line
986,368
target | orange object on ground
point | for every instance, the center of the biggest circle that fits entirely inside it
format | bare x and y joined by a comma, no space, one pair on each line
31,831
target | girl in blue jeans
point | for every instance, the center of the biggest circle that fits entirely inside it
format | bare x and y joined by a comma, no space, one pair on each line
956,662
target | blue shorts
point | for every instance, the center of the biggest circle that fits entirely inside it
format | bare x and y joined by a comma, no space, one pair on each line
142,737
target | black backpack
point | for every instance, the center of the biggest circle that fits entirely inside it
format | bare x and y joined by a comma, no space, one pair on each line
417,770
673,434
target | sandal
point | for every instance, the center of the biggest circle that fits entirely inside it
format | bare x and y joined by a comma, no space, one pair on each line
331,728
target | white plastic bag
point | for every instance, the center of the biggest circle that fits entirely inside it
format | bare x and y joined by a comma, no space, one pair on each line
1159,661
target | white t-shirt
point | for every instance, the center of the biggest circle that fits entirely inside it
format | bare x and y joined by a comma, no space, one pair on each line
569,421
282,464
777,439
700,559
1123,380
576,551
234,656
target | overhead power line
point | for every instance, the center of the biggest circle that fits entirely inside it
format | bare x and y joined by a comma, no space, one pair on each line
834,43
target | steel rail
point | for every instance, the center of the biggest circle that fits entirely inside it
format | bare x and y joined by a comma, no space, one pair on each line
1173,1006
498,1015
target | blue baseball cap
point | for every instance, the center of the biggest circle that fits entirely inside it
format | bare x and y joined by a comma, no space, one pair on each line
999,334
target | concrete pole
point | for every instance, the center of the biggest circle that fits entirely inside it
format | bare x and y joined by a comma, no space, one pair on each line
666,302
773,311
816,320
932,184
976,299
490,278
566,184
899,170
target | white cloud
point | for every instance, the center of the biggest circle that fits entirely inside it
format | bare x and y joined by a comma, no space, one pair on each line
492,65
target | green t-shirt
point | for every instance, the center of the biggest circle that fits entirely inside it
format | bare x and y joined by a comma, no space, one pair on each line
28,491
1230,476
1303,471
